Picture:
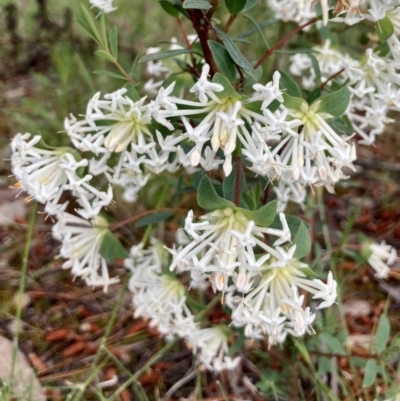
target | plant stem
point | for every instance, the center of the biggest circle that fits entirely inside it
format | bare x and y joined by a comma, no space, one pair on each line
21,289
331,77
124,73
229,22
283,40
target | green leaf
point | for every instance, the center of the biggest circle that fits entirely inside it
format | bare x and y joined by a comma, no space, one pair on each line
196,4
109,74
303,242
111,248
105,54
316,69
250,4
89,31
169,8
228,88
165,54
334,104
132,92
261,25
154,218
257,26
371,370
296,103
292,221
89,22
384,29
333,343
382,333
103,30
207,197
229,184
236,54
314,94
290,85
264,216
235,6
114,41
223,60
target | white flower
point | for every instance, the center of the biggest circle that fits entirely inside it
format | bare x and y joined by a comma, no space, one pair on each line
203,87
382,256
81,242
104,5
212,344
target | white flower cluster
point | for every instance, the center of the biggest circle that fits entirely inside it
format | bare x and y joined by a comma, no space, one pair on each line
381,256
374,82
81,242
358,10
161,298
299,11
223,248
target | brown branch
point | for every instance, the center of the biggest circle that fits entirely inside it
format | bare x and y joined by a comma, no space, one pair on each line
202,26
136,217
189,46
238,191
284,40
331,77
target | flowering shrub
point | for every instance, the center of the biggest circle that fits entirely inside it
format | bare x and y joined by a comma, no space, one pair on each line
231,129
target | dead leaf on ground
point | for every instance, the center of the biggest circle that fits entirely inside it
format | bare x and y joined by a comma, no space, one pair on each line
24,384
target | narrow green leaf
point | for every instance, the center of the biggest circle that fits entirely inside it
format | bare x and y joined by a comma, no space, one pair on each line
88,18
382,333
228,88
334,104
105,54
223,60
261,25
250,4
235,6
290,85
109,74
169,8
114,41
154,218
333,343
103,30
316,69
384,29
371,370
88,30
207,197
165,54
196,4
296,103
236,54
111,248
264,216
257,26
303,242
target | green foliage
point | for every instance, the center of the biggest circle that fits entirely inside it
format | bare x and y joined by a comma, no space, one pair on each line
384,29
228,88
235,6
111,248
236,54
196,4
334,104
302,240
169,8
223,60
289,85
382,333
154,218
207,196
164,54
